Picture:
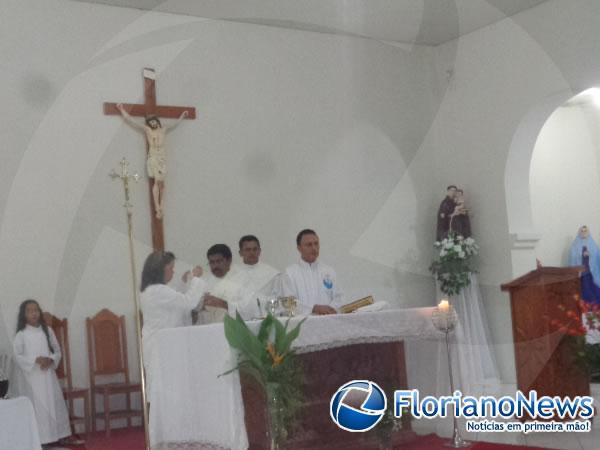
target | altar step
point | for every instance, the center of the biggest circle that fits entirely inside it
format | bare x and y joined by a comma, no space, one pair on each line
133,439
405,441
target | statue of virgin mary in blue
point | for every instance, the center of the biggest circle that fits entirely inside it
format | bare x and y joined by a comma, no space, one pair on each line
585,252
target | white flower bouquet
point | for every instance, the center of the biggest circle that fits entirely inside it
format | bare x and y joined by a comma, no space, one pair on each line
453,266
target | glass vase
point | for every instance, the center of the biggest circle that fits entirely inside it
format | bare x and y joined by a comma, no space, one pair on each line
274,417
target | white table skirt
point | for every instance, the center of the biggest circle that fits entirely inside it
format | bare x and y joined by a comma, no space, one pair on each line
191,404
18,427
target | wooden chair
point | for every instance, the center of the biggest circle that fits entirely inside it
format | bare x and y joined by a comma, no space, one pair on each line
107,351
63,373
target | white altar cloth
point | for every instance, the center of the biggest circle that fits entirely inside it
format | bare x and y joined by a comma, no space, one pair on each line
191,404
19,430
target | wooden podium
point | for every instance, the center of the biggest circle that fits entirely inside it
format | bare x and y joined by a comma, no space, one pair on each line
544,356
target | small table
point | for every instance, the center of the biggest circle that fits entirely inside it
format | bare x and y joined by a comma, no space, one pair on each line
18,427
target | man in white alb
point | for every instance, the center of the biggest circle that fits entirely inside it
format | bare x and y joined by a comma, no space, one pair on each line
312,282
258,279
223,291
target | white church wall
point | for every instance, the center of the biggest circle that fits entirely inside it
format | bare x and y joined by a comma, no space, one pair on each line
109,257
565,182
497,75
294,130
355,138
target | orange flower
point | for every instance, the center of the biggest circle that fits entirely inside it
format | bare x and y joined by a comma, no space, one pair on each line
277,359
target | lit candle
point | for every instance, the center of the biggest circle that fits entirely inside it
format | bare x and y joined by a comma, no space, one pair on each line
444,306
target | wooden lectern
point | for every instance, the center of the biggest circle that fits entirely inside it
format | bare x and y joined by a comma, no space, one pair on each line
544,357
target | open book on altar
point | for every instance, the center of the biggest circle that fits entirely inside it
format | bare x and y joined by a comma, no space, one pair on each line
366,304
353,306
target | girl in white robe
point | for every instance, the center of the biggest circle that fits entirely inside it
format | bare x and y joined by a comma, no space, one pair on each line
162,306
37,354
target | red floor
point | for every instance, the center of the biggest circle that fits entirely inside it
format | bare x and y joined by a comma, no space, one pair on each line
433,442
133,439
120,439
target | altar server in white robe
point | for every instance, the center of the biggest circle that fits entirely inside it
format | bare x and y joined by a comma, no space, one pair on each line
37,355
259,280
312,282
224,290
163,307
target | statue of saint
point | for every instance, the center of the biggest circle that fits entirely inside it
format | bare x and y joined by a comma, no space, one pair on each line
156,162
445,212
460,223
585,252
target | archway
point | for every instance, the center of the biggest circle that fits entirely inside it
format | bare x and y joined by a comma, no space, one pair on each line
524,235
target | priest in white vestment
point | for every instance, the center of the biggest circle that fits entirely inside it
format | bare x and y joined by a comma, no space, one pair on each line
313,283
259,280
224,291
163,307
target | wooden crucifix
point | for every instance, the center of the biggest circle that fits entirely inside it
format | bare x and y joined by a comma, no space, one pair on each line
154,132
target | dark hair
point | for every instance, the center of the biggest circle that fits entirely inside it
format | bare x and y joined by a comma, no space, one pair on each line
150,118
304,233
22,320
248,238
219,249
450,187
154,268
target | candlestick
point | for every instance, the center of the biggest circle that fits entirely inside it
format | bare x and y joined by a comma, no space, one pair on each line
444,318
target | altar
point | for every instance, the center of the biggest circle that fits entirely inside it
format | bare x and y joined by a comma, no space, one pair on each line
192,406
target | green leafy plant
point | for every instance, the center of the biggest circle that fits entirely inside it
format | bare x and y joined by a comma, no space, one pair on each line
389,423
453,265
268,357
588,356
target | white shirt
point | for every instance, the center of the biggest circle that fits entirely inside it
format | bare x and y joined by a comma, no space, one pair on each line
226,288
260,282
229,288
312,284
257,278
164,307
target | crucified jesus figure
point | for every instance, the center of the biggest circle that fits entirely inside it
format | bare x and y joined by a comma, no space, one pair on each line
156,163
